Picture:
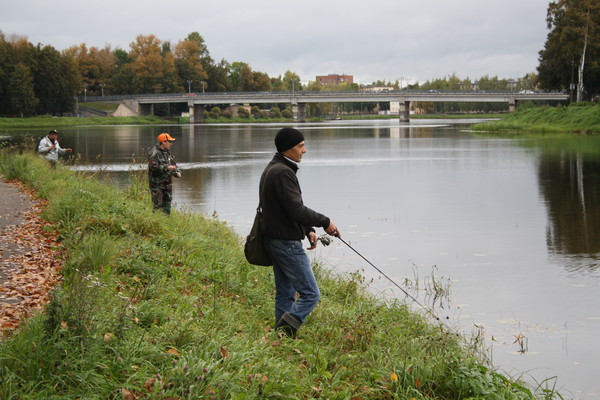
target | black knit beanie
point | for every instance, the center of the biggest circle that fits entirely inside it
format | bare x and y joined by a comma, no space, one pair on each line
287,138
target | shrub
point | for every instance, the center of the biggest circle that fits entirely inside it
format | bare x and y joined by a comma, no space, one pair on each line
275,112
215,112
242,112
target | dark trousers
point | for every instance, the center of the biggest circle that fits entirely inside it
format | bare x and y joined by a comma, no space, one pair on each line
162,195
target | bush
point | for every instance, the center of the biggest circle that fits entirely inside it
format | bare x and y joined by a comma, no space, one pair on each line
243,113
215,112
275,112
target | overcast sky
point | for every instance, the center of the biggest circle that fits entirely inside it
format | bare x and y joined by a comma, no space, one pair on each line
415,40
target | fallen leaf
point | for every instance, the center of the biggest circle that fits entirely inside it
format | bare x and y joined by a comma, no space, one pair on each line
224,352
37,262
149,384
173,351
127,395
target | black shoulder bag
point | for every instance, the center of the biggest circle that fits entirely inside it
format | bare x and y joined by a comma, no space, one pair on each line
254,249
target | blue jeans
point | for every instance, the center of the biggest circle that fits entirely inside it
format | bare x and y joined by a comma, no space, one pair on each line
293,274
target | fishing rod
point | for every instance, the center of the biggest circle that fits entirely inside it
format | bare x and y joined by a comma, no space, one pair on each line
326,241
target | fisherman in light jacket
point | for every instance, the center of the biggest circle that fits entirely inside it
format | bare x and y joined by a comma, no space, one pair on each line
50,149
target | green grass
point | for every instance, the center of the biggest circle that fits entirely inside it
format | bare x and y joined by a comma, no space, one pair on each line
50,121
582,119
167,307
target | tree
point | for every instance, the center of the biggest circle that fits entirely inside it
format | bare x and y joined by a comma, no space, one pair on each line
572,48
218,74
189,64
95,66
238,74
260,82
153,66
20,93
291,81
121,81
317,109
241,78
6,64
56,80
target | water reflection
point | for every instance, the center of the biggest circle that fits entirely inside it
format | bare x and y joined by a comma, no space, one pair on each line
571,186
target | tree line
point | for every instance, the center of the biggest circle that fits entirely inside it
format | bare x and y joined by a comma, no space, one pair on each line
570,59
38,79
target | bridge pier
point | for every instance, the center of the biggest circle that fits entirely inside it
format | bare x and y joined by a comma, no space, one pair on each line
196,113
512,104
404,111
146,109
299,111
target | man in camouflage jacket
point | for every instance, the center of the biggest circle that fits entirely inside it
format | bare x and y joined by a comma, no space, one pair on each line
161,168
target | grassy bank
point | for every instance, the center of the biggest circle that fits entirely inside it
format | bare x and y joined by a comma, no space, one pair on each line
582,119
56,122
157,307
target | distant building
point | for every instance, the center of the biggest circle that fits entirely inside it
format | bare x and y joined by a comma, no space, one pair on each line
334,79
376,89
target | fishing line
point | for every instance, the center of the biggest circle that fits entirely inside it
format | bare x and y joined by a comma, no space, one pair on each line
325,240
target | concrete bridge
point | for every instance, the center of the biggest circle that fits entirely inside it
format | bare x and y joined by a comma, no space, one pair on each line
144,104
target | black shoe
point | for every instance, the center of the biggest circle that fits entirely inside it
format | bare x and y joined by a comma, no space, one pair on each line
288,324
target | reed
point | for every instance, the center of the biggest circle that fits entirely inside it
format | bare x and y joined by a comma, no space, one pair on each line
154,307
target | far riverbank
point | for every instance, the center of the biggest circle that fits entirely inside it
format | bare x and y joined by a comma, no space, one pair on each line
576,118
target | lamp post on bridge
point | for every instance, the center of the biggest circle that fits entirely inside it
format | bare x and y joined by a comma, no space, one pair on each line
401,79
189,82
512,84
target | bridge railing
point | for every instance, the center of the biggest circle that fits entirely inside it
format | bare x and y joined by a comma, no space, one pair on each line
188,96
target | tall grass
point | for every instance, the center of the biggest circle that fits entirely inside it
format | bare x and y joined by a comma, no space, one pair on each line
155,307
584,119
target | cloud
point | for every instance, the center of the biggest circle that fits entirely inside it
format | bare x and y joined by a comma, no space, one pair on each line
384,40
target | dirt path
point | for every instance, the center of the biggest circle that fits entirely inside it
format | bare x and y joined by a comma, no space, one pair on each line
30,257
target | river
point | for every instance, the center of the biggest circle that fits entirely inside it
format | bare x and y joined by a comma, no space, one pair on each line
499,236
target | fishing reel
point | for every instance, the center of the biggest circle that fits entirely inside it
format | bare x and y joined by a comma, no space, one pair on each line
325,240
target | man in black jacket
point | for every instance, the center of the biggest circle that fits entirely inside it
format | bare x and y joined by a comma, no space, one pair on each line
286,222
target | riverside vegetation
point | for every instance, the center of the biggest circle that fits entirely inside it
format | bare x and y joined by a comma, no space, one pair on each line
166,307
583,118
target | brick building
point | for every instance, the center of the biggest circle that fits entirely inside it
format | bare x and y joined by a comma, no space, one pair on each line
334,79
